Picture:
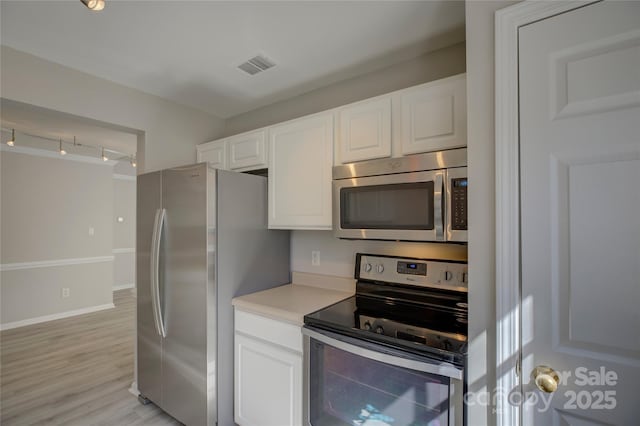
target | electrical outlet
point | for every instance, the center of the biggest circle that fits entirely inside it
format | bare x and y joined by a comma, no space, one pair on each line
315,257
66,292
91,231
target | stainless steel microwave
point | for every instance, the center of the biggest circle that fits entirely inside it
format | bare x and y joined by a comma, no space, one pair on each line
421,197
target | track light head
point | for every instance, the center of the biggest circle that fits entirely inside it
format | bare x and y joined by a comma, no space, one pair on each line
12,141
104,155
95,5
61,149
133,161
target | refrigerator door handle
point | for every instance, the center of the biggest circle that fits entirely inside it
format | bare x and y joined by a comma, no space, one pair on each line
155,271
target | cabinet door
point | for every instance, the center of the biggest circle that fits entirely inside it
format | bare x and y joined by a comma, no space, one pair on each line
300,162
213,152
434,116
365,131
248,151
268,384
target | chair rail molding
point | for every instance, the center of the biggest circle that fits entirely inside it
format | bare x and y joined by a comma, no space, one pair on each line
54,263
508,296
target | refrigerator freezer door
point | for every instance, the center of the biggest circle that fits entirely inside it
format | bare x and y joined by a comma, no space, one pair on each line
149,341
184,289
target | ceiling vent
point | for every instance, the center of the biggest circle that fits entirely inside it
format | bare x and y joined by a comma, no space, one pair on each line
256,64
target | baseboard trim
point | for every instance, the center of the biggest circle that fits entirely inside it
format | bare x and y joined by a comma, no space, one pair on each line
123,286
53,317
134,389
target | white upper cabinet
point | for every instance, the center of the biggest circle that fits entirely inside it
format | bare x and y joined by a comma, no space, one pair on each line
364,131
434,116
300,162
214,152
248,151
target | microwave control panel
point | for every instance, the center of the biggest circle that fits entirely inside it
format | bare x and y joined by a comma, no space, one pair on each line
459,204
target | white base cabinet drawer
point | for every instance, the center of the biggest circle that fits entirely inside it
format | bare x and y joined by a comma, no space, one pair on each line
268,383
278,332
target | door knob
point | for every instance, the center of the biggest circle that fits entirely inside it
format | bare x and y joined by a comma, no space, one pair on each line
545,378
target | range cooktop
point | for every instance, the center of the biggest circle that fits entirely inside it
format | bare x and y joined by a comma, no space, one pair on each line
428,316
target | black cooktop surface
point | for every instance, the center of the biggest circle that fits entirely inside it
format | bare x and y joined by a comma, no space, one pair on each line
430,323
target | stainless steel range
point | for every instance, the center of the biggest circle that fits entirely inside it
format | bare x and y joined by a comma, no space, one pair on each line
393,354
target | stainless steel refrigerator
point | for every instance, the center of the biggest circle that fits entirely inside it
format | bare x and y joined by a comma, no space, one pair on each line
202,239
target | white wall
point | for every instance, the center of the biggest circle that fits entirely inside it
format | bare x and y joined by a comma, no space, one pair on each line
168,132
481,168
430,66
124,233
337,257
48,206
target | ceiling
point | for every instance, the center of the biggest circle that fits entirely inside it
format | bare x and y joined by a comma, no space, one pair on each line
188,51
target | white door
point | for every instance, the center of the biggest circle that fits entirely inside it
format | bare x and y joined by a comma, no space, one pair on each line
580,214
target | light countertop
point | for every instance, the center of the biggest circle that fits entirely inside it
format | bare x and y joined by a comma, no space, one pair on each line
291,302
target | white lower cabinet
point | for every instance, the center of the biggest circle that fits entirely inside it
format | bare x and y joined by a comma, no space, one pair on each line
268,373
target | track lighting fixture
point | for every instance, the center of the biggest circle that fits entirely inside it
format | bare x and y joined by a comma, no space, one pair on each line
95,5
12,141
79,148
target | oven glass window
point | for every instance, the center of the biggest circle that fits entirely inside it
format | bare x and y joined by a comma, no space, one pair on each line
394,206
347,389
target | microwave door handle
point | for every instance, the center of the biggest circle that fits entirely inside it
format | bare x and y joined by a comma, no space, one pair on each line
438,211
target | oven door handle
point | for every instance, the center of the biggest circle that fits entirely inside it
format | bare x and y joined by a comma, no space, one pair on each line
439,368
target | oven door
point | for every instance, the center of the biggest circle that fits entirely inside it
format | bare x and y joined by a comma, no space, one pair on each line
403,206
353,382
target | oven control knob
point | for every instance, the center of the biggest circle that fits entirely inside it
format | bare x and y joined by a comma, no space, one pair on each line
367,267
367,325
380,269
447,275
379,330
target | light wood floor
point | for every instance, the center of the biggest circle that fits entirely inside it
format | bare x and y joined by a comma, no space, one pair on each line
74,371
